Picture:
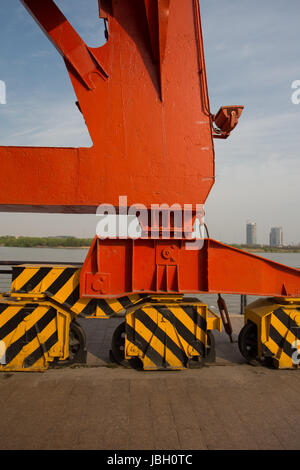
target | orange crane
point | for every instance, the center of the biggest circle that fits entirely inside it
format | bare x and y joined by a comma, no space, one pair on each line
144,98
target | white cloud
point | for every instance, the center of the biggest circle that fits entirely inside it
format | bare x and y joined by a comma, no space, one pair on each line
42,121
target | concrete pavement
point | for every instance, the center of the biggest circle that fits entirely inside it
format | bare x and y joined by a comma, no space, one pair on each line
228,405
217,407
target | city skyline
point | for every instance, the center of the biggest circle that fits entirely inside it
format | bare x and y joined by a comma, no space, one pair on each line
275,235
251,234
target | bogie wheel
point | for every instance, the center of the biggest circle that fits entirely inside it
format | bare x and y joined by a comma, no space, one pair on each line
211,348
199,361
247,342
118,349
77,346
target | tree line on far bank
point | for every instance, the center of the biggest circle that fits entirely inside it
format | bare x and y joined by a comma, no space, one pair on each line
73,242
268,248
46,242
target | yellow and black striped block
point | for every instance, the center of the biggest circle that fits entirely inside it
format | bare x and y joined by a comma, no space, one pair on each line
61,283
169,335
278,327
32,335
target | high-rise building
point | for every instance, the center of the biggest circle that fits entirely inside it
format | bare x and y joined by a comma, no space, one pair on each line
276,236
251,234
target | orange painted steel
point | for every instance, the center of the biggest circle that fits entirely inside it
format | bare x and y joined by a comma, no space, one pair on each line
143,96
119,267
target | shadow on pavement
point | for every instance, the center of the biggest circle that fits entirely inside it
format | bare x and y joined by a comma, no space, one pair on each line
99,334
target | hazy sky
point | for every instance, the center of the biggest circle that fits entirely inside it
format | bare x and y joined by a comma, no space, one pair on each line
252,56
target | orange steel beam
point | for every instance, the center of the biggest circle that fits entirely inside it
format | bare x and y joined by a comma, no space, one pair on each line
118,267
66,40
143,96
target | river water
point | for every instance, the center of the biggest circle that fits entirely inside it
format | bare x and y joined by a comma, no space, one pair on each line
77,255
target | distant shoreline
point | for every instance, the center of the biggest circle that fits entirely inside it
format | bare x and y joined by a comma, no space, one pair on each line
50,247
46,242
65,242
267,249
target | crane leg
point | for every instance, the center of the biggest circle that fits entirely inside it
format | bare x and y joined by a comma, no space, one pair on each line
36,334
272,332
166,333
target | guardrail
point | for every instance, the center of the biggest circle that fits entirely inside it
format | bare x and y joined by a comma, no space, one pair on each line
244,302
17,263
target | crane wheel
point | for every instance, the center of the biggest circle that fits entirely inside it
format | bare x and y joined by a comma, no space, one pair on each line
77,347
199,361
117,353
247,342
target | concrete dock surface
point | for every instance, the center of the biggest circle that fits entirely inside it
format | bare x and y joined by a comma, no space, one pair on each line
226,405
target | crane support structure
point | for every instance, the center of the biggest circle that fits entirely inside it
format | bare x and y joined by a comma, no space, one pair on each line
144,98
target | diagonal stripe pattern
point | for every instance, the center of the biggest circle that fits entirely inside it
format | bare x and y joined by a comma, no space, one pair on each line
62,285
166,336
284,331
28,332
